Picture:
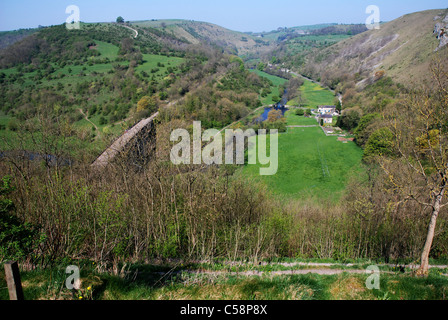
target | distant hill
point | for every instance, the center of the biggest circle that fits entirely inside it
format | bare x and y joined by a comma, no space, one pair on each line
283,34
402,49
8,38
195,32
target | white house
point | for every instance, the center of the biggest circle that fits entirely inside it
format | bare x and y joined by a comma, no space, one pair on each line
327,110
336,113
327,118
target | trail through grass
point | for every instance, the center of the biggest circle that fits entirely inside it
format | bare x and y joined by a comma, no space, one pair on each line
152,282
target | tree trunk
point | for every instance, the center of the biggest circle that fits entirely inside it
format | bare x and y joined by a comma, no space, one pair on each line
424,267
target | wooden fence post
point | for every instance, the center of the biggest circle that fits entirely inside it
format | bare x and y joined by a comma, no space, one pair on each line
13,279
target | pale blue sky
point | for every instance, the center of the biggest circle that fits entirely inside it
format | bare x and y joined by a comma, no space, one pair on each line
240,15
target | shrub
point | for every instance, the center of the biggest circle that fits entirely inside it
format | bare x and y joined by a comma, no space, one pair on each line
380,143
102,121
17,239
12,125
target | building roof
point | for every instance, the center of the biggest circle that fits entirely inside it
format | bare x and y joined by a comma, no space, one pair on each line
326,116
327,107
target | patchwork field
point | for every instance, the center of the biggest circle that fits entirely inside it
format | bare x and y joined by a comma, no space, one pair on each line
67,78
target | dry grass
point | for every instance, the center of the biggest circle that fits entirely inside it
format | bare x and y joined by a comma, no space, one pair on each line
402,48
350,288
247,289
206,292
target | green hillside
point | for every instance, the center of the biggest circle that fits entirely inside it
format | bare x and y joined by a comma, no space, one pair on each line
196,32
366,190
275,83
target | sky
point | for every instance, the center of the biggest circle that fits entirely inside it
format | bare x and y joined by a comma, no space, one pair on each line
238,15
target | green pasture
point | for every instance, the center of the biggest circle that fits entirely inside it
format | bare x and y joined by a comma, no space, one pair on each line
152,62
314,95
294,120
310,164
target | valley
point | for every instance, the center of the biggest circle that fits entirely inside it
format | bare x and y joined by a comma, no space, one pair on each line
87,177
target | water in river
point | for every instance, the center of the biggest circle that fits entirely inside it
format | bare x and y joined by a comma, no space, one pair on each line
279,106
35,156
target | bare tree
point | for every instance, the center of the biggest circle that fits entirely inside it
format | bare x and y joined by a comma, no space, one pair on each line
420,132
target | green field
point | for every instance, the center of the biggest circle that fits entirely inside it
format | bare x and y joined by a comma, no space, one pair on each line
152,62
294,120
310,164
314,95
107,50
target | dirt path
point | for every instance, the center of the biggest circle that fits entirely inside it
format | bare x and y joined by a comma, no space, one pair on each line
136,32
311,126
313,268
86,117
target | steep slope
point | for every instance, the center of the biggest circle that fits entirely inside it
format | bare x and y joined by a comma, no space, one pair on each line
196,32
401,49
8,38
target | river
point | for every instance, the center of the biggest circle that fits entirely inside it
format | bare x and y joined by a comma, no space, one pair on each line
279,106
35,156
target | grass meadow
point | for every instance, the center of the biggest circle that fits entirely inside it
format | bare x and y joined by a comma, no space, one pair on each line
294,120
314,95
310,164
152,62
151,282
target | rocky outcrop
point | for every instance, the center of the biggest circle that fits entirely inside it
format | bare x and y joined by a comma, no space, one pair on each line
441,32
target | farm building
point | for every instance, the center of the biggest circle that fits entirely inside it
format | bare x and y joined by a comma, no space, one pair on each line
327,110
327,118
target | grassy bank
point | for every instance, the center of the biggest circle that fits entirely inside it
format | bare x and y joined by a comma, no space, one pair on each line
150,282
